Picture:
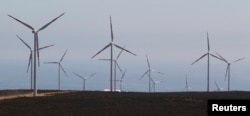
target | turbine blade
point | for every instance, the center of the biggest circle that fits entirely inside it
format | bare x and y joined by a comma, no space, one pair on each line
90,75
157,71
144,74
216,57
45,47
238,60
51,62
37,49
216,85
200,58
63,69
101,50
23,42
112,36
63,55
152,80
148,61
157,82
50,22
120,52
104,59
118,66
25,24
78,75
123,74
208,46
223,59
29,63
124,49
38,58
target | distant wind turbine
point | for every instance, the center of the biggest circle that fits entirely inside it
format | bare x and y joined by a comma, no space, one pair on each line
59,69
149,74
206,54
36,44
30,59
227,75
154,83
83,79
111,44
121,80
116,65
218,87
187,87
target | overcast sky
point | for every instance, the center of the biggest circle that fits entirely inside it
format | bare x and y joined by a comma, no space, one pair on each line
171,32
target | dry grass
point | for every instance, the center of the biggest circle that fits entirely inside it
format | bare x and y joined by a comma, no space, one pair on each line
115,104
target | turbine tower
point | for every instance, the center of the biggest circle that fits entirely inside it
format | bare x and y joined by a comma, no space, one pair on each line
36,45
31,60
59,69
208,59
111,44
227,75
187,87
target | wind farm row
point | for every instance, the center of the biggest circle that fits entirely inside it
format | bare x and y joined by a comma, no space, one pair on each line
34,61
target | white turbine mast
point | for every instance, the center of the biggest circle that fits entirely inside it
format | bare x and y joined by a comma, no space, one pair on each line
227,75
148,72
30,62
36,45
111,44
59,69
208,59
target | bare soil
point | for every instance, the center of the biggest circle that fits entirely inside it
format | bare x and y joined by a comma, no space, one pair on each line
96,103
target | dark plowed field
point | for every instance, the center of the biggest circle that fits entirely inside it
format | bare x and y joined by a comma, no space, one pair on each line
77,103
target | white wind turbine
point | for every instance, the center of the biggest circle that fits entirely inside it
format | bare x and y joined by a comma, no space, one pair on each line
227,75
111,44
116,65
154,83
187,87
206,54
31,59
59,69
218,87
83,79
149,74
36,45
121,80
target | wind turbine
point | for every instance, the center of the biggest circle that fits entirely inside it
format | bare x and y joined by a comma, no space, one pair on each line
116,65
187,87
83,79
59,69
121,80
217,86
149,75
227,75
206,54
30,59
36,44
154,83
111,44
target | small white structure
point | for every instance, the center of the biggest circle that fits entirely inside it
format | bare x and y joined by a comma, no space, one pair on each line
108,90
